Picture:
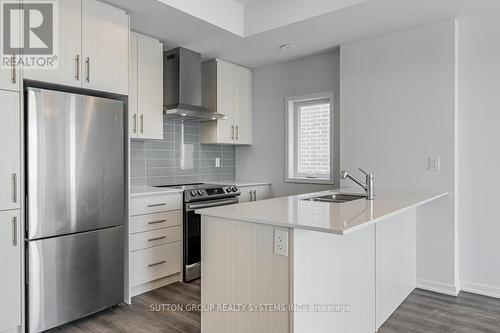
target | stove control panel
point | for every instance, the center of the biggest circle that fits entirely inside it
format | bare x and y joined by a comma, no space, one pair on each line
211,193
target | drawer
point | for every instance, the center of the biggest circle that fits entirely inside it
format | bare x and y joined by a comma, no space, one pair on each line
148,222
154,263
155,204
157,237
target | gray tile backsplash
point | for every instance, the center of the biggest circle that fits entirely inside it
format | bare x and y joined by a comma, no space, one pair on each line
179,157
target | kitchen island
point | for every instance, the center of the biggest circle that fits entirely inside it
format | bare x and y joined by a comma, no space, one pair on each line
291,264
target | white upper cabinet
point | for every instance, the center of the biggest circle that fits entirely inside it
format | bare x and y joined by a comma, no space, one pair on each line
243,105
10,278
132,86
10,78
69,67
146,88
93,48
225,102
105,38
10,150
227,90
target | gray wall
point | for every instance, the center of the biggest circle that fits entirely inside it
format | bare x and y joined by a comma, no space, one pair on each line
179,157
265,159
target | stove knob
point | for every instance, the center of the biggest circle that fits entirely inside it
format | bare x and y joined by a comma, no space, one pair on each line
200,192
234,189
193,193
228,189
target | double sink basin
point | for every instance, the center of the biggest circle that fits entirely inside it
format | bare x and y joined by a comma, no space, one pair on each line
336,198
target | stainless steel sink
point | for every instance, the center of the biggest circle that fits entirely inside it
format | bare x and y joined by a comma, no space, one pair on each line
337,198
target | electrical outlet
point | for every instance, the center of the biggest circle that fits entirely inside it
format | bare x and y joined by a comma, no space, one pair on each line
434,163
217,162
281,242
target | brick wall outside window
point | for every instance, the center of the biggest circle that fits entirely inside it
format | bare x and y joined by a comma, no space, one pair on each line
313,142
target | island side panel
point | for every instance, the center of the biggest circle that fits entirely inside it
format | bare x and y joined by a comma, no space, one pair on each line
239,267
396,243
334,270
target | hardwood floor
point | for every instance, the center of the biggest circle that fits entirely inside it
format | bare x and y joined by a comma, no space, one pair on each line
427,312
139,318
421,312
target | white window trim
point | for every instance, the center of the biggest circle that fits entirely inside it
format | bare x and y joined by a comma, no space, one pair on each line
290,144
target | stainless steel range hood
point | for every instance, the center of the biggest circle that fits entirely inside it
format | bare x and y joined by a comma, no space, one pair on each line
182,86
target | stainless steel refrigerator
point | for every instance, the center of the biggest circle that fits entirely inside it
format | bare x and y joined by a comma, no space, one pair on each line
76,201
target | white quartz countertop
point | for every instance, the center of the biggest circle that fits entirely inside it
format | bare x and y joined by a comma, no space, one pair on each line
242,183
145,191
335,218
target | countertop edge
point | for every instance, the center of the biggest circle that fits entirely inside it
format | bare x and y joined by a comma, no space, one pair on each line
326,230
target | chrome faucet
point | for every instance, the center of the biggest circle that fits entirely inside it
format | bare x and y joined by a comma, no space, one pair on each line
367,186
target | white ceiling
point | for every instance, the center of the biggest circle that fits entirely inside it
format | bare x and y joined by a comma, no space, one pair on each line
312,36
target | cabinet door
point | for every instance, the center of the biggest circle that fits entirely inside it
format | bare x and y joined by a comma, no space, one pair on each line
10,77
150,87
132,87
242,105
69,71
261,192
10,278
246,194
105,36
225,102
10,150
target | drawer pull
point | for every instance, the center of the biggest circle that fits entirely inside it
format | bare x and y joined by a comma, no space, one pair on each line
157,205
157,263
156,238
156,222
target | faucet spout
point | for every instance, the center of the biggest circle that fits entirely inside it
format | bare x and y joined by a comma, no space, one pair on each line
367,186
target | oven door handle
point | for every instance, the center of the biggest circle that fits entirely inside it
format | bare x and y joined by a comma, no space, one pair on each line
193,206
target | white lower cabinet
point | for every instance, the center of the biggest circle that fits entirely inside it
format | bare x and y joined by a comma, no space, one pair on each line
255,193
155,241
10,276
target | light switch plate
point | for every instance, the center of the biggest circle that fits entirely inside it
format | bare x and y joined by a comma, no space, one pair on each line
217,162
434,163
281,242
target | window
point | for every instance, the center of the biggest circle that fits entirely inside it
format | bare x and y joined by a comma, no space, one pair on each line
309,138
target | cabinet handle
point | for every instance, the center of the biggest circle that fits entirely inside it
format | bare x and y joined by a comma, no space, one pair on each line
135,123
237,132
14,79
77,64
142,123
157,205
156,222
156,238
157,263
254,195
14,188
232,132
251,195
87,69
14,231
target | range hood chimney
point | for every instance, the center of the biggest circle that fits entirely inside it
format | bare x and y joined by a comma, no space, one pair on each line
182,86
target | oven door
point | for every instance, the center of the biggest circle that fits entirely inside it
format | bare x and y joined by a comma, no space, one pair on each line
192,235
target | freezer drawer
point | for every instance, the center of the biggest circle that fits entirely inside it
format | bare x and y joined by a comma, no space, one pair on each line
70,277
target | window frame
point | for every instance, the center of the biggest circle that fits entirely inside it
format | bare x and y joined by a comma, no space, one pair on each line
291,128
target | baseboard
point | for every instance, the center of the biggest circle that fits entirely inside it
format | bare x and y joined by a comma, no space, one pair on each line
148,286
438,287
480,289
